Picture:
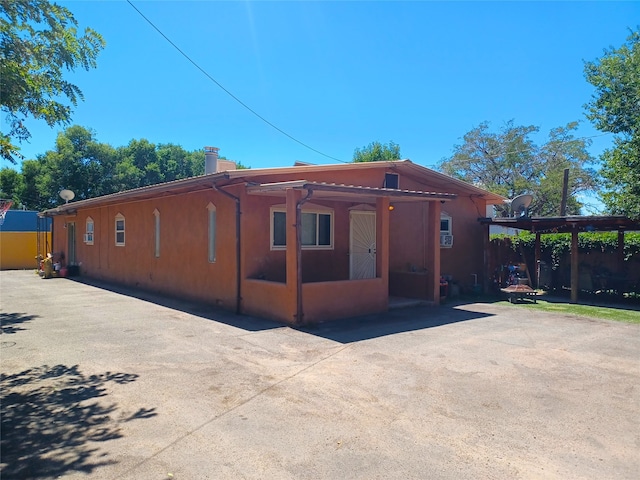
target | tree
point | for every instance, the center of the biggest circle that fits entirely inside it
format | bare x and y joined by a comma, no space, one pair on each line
615,108
510,163
10,184
38,42
621,173
29,194
77,163
377,152
80,163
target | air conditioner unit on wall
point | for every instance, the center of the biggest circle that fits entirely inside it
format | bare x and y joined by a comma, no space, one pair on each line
446,241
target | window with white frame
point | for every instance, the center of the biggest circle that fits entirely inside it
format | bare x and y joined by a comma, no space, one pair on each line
88,235
316,228
119,224
446,233
211,208
156,235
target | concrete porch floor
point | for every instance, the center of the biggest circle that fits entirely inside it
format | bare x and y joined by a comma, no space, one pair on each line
403,302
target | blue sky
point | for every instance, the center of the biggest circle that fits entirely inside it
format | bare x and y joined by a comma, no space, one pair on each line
337,75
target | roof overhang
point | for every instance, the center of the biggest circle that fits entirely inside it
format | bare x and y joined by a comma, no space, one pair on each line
346,193
160,190
437,182
566,224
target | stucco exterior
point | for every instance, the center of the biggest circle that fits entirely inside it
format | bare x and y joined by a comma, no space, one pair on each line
294,283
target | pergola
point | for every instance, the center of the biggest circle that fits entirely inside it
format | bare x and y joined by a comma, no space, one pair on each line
567,224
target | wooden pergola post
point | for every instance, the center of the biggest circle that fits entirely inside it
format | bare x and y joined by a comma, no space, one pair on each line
537,260
621,269
575,275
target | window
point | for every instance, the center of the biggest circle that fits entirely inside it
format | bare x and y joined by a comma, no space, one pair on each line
392,180
279,236
316,230
120,230
88,236
212,232
156,236
445,224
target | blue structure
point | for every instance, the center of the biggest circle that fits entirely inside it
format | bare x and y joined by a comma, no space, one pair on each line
23,236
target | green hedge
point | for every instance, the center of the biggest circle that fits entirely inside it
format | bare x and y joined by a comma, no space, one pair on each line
559,244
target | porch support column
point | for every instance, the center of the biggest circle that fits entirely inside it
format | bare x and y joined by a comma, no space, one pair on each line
486,259
382,241
538,256
293,196
575,277
433,245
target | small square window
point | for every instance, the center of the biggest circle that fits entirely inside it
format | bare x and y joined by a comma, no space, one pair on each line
392,180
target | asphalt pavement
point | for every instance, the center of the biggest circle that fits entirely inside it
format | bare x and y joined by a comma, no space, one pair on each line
110,383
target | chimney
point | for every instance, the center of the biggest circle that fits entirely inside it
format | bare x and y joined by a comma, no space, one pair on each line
210,160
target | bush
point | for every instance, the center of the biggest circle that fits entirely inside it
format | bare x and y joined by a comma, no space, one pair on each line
558,245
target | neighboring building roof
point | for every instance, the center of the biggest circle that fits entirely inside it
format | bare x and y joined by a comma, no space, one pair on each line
422,174
567,224
21,221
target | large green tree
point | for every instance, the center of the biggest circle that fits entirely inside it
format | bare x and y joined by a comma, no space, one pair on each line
79,163
377,152
615,108
29,192
39,42
510,163
10,184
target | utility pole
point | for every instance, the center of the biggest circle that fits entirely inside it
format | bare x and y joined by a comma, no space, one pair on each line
565,190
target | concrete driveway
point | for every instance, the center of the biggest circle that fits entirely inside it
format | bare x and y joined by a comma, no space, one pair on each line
99,383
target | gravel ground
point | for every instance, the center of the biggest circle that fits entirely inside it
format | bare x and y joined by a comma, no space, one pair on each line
102,382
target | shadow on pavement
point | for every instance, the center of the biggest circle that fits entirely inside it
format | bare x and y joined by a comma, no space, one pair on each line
395,321
51,418
199,309
344,331
9,322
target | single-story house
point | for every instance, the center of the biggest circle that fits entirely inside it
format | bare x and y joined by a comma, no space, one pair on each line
297,244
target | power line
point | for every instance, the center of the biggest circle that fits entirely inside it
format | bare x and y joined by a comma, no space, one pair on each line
228,92
205,73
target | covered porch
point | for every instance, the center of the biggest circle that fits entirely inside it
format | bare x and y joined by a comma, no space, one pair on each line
302,298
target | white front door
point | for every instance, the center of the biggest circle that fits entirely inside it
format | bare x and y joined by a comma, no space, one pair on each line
362,245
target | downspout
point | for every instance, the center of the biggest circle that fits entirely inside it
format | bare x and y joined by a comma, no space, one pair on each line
299,309
238,262
46,237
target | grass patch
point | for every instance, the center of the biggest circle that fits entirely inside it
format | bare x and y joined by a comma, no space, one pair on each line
601,313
